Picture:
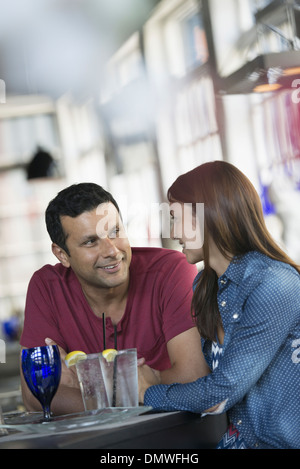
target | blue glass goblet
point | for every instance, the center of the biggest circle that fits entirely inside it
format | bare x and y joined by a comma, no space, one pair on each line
41,368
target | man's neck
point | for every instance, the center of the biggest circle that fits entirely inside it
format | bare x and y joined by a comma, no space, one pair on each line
110,301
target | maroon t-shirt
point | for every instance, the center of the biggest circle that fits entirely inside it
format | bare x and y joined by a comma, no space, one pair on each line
158,308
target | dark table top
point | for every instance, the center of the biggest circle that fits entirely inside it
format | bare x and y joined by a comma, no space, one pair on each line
172,430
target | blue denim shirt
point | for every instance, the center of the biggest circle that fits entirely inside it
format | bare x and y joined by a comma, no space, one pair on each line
258,376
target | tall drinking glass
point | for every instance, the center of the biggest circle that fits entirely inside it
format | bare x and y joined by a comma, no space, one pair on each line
41,368
91,382
121,378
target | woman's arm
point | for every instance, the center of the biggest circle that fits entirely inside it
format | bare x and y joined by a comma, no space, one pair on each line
255,339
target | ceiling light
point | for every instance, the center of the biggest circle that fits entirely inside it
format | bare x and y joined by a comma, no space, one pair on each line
267,87
291,71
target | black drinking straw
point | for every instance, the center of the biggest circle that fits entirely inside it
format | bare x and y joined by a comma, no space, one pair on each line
115,370
103,327
115,337
114,396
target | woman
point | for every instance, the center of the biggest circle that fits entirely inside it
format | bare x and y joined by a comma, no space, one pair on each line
247,307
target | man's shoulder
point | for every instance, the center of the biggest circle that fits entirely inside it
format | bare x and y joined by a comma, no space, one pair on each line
147,259
51,272
156,254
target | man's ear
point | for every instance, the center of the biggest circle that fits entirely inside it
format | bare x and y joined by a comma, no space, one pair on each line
61,255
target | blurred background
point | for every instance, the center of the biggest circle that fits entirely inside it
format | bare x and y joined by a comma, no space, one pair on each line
129,94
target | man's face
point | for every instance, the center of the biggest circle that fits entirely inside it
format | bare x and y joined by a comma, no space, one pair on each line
99,250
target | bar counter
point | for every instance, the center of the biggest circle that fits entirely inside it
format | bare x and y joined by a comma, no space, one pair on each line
171,430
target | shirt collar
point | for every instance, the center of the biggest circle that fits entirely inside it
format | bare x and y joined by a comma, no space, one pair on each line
239,268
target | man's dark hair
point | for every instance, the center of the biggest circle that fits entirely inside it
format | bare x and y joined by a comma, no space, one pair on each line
73,201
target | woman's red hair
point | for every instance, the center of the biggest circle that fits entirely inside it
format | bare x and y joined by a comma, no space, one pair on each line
233,219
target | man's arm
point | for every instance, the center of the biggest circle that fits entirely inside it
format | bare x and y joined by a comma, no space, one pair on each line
188,364
182,337
68,396
187,359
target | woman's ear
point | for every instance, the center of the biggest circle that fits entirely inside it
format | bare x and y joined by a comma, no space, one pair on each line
61,255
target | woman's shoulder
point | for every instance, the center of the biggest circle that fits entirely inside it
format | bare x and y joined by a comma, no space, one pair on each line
269,264
273,276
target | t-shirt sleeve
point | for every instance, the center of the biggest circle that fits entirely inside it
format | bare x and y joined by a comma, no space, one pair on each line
177,292
39,320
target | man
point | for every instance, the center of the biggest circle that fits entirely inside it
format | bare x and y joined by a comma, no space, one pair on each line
144,293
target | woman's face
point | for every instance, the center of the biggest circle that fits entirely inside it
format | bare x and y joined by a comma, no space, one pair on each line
188,228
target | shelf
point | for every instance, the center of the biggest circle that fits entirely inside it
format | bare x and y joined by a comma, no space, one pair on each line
20,106
12,167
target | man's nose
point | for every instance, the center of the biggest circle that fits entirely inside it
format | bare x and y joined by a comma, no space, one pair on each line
175,232
108,247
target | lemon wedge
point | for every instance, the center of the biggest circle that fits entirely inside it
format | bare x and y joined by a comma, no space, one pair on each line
109,354
73,357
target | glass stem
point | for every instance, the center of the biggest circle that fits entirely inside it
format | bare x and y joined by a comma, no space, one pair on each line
47,413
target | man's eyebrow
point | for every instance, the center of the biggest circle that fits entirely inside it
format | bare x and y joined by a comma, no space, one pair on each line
88,237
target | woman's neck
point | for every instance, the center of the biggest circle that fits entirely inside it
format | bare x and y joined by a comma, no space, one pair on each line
217,261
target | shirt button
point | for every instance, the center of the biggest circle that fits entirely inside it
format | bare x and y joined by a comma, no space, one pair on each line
223,303
235,316
223,281
239,422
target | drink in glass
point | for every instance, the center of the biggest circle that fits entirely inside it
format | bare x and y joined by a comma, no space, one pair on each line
91,383
121,378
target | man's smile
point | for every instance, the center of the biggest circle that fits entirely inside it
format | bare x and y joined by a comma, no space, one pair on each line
111,267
